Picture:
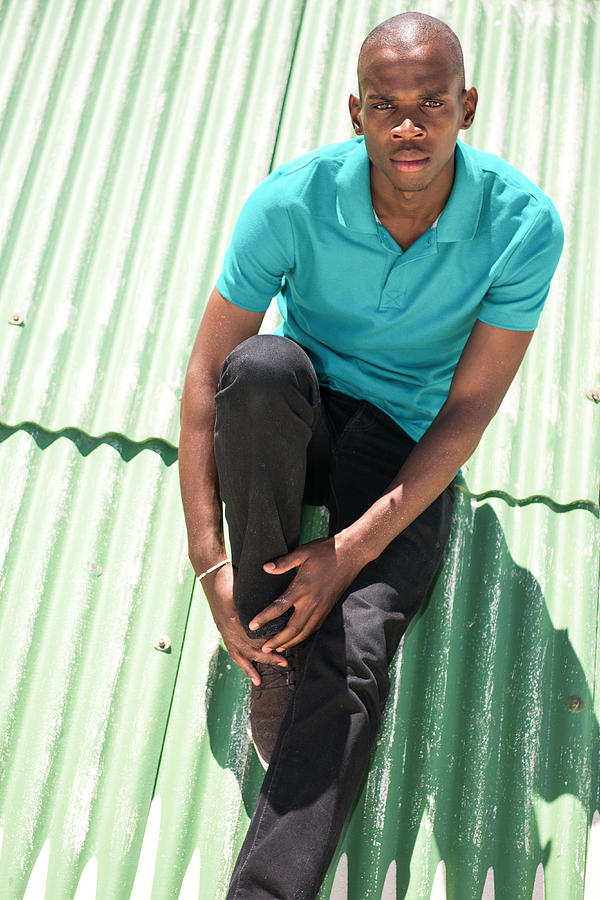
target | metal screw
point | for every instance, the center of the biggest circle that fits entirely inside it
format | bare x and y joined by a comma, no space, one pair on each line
163,642
575,704
16,319
594,394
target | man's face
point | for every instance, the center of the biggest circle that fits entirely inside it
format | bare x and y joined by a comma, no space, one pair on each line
412,108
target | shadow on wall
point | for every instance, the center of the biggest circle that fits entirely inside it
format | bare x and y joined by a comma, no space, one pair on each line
490,711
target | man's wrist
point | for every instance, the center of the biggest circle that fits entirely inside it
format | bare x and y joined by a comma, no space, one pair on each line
202,560
213,568
353,543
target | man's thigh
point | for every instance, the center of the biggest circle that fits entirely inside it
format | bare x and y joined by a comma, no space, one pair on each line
367,450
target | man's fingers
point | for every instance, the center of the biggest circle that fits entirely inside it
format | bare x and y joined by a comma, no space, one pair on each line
270,612
247,667
285,563
273,659
294,633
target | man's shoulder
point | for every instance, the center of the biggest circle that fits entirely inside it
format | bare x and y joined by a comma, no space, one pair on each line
505,186
304,184
313,173
327,159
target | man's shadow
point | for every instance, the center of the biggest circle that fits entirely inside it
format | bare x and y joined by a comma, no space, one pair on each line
491,711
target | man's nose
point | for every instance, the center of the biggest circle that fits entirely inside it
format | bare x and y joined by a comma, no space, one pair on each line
408,129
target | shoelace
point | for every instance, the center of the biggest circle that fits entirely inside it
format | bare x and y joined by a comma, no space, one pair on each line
273,676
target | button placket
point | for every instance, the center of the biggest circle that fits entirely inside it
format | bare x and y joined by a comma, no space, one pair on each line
395,289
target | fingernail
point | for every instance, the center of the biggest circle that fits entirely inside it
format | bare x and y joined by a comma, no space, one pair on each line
280,649
266,649
253,626
270,566
283,665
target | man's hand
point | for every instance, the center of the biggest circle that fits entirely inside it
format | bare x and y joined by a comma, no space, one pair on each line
325,569
218,587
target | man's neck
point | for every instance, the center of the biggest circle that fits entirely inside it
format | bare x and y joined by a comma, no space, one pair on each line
411,207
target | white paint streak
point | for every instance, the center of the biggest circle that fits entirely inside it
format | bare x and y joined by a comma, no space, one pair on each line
538,885
389,885
36,886
190,886
28,126
89,769
592,871
438,889
88,882
488,888
237,759
58,492
184,567
12,493
204,682
339,888
144,876
541,13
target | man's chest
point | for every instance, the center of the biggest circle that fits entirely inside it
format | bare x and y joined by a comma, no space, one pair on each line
406,233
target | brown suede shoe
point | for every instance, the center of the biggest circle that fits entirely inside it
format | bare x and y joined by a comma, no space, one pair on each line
270,700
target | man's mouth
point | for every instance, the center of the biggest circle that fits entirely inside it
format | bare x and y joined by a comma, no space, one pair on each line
409,161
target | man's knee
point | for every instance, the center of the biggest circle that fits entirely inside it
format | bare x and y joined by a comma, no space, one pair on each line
266,367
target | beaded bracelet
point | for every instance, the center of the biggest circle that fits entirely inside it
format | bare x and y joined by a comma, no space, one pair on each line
214,568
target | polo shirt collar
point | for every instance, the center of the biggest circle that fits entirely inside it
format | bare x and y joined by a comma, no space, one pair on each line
458,220
354,206
460,216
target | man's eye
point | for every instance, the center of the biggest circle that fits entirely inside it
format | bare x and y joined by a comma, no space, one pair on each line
383,105
432,104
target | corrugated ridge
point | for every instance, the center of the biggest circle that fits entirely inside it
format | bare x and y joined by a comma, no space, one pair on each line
135,200
128,448
93,567
86,443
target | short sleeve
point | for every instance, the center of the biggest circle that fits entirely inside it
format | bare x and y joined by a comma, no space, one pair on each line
517,295
261,249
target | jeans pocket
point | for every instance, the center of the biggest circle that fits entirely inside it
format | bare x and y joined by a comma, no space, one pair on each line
358,422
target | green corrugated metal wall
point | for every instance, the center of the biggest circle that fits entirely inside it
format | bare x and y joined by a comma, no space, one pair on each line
130,133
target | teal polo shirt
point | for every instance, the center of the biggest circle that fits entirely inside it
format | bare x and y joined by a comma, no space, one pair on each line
378,322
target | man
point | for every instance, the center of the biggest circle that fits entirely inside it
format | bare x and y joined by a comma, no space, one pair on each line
410,272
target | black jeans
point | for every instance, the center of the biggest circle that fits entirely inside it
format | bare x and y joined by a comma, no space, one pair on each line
281,439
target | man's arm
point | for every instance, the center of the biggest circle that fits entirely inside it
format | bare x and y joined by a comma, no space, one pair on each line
487,366
223,327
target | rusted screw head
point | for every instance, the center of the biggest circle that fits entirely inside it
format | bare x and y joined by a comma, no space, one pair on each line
594,394
16,319
575,704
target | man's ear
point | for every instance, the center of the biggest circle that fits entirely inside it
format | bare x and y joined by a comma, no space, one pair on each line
469,105
354,105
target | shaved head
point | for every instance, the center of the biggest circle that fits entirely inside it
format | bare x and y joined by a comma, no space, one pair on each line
408,31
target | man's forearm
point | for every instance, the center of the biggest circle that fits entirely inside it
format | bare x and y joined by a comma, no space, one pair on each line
198,477
429,469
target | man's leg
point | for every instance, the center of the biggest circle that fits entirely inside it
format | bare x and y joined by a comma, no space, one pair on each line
324,744
268,421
